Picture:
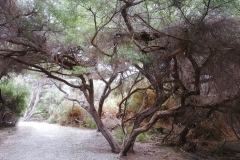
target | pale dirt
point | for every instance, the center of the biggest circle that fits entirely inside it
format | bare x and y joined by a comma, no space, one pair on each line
42,141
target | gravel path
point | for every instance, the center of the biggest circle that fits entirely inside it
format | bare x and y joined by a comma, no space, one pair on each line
42,141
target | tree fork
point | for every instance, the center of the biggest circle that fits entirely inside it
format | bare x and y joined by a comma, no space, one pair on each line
105,132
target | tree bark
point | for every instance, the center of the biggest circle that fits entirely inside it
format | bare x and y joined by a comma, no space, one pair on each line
105,132
159,114
88,90
185,131
33,102
2,109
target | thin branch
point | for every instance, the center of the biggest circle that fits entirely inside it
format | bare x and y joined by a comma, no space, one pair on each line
180,38
45,71
81,103
96,33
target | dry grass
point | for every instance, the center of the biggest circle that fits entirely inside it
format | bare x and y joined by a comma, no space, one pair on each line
74,116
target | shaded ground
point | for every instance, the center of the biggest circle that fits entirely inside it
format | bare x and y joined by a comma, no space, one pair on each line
41,141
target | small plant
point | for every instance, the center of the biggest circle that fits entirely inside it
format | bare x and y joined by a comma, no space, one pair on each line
53,119
142,137
119,135
89,123
74,116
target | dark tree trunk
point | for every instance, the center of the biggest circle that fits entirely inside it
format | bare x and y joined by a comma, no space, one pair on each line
106,91
134,135
89,94
105,132
2,107
186,130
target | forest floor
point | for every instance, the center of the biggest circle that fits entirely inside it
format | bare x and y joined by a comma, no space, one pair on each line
42,141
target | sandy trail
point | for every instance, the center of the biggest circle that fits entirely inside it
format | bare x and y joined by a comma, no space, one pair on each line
42,141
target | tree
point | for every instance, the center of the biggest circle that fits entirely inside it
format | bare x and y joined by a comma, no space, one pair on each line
182,60
37,91
32,41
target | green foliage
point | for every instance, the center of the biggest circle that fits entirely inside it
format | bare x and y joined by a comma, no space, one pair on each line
53,103
119,135
79,70
53,119
142,137
89,123
128,51
72,16
15,93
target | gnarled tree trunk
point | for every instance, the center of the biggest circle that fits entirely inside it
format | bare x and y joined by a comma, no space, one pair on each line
88,90
105,132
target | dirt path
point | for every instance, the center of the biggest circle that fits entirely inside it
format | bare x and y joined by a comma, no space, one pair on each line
41,141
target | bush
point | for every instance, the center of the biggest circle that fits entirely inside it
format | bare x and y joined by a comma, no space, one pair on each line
142,137
53,119
74,116
15,95
137,100
119,135
89,123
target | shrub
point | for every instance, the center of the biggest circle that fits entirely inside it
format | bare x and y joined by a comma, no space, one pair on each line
15,94
119,135
53,119
89,123
142,137
74,116
137,100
